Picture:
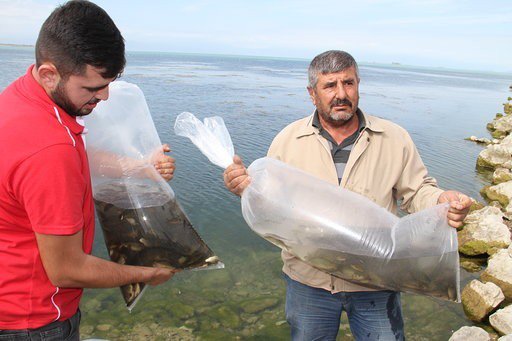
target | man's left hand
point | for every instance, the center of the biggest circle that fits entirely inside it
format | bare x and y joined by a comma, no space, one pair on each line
459,207
164,164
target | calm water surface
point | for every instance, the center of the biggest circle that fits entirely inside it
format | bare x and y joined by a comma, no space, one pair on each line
257,97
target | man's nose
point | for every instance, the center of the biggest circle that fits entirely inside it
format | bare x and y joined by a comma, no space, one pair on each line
102,94
340,91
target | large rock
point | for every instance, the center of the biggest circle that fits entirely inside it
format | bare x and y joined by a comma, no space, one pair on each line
499,271
470,333
484,232
501,320
506,338
501,192
501,175
479,299
497,155
500,126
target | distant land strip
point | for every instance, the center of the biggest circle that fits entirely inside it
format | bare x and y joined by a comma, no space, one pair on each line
19,45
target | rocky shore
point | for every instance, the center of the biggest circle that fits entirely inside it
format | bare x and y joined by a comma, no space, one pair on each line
485,239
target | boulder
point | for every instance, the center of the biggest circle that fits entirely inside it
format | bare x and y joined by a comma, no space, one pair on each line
484,232
501,175
506,338
499,271
479,299
470,333
497,154
501,320
501,192
501,125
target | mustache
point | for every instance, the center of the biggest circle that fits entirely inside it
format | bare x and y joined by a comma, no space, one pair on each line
344,101
94,101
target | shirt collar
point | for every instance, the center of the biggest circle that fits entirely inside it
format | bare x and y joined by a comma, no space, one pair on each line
33,91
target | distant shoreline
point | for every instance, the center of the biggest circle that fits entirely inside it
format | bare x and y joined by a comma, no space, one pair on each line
16,45
362,63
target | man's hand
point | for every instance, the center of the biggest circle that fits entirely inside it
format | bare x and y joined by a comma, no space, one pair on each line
459,206
164,164
236,178
162,275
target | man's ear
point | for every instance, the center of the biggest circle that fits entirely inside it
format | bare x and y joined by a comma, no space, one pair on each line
312,95
48,76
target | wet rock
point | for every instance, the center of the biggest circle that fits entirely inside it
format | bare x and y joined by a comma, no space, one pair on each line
479,299
470,333
479,140
86,331
103,327
501,175
227,317
181,311
500,126
497,154
91,305
472,264
499,271
217,279
501,320
501,192
484,230
259,304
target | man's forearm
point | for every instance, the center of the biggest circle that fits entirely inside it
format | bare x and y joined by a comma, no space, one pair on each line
94,272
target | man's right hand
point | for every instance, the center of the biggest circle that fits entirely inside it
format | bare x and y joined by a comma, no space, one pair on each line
161,275
236,178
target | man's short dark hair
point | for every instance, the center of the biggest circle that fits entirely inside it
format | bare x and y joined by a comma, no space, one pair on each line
77,34
330,62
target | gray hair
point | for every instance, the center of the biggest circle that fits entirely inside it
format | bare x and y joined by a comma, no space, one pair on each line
330,62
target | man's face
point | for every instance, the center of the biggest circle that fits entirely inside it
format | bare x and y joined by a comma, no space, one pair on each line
336,96
79,94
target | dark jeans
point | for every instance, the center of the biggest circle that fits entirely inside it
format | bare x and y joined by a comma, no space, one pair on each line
55,331
314,314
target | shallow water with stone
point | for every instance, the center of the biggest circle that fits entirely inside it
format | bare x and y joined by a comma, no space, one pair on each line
257,97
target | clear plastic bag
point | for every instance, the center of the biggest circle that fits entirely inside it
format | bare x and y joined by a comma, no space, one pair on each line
344,233
142,222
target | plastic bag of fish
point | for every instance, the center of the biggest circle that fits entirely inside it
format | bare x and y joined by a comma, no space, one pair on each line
143,223
338,231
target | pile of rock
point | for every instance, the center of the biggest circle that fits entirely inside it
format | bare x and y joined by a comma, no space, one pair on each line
487,232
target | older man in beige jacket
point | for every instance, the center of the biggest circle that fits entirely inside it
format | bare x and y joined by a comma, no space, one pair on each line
365,154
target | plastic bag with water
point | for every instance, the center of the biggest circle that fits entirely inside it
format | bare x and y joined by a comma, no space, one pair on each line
335,230
142,222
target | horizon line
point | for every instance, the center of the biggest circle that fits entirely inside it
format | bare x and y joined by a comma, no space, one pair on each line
362,63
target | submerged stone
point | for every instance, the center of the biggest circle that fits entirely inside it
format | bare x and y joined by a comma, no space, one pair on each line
227,317
259,304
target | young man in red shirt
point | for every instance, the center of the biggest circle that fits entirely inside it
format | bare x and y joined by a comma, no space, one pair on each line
46,205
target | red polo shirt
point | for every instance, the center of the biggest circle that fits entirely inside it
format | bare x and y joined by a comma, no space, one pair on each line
45,187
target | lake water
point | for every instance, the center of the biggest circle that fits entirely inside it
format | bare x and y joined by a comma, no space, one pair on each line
257,97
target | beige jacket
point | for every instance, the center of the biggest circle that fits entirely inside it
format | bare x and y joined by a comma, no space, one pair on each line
384,166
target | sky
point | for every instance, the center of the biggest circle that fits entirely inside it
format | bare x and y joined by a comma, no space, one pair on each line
457,34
